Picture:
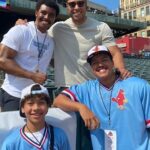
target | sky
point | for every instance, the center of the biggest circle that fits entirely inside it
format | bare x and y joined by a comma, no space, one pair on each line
110,4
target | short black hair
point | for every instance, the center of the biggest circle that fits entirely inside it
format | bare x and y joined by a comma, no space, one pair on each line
49,3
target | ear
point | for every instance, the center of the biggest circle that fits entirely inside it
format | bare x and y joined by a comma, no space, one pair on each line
36,13
93,70
114,69
86,7
47,109
22,110
113,64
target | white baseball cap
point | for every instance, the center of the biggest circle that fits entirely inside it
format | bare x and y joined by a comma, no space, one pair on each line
27,91
96,50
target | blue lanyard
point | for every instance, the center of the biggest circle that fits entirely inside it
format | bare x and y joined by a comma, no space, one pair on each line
40,50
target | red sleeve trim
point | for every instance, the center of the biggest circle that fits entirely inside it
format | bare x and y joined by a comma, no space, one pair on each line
71,95
147,123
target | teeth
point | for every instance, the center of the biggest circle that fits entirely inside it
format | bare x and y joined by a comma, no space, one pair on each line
100,70
103,70
45,22
36,114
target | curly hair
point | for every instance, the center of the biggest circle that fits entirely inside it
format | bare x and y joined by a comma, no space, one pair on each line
49,3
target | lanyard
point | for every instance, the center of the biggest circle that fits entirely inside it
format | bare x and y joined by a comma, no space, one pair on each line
51,135
108,110
40,49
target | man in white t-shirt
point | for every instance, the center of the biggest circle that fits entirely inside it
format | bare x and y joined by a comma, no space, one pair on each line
25,53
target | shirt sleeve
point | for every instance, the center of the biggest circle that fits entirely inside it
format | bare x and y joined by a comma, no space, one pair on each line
107,36
14,37
145,95
76,93
54,28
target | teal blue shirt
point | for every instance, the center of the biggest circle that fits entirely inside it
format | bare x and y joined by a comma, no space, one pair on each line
17,140
129,111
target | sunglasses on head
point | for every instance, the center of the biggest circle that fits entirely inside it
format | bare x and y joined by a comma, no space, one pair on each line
73,4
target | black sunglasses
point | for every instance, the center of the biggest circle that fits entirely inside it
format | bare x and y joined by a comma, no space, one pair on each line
73,4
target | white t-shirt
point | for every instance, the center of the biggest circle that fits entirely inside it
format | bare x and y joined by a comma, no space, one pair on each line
36,136
72,46
23,39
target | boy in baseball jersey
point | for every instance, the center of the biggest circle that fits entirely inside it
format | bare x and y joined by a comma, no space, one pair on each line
116,111
36,134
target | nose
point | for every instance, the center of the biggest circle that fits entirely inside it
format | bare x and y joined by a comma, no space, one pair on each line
76,6
46,16
100,64
35,107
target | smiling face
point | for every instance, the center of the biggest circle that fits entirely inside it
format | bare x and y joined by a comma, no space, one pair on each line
45,17
102,66
35,109
77,10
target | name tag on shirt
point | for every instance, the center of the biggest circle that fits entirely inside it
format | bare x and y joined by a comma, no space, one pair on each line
110,140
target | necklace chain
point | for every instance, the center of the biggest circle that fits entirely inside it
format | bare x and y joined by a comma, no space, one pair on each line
39,142
108,111
33,135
